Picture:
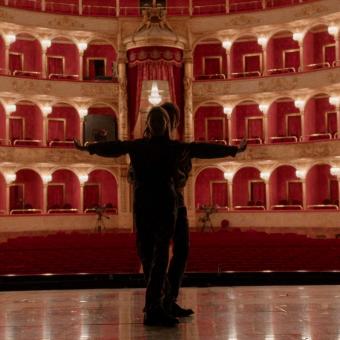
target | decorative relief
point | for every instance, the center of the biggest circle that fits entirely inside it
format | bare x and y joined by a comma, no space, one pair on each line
210,90
243,20
65,22
334,76
31,86
5,15
277,84
311,10
97,91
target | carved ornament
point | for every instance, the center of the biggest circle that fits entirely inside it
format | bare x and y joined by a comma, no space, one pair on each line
278,84
243,20
310,10
31,86
65,22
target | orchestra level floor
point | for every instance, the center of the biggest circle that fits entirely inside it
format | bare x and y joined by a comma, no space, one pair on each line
230,313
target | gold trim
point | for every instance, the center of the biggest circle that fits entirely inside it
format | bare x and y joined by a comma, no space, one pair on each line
219,58
284,52
88,65
64,120
286,121
56,57
251,55
247,126
206,121
211,183
23,125
324,47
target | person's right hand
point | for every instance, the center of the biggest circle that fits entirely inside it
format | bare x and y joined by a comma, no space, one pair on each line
78,145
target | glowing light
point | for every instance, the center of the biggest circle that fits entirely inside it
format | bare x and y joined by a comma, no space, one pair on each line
227,44
10,38
265,175
154,98
334,100
10,108
228,175
10,178
83,178
46,110
335,171
46,178
264,108
46,43
82,111
299,103
301,174
82,46
227,110
333,30
262,40
298,36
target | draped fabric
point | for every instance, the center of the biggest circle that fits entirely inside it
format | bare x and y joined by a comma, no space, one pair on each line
56,129
329,55
294,125
153,63
255,128
55,196
91,195
212,65
331,122
55,65
16,128
252,63
15,62
219,194
292,59
215,129
294,194
258,192
16,196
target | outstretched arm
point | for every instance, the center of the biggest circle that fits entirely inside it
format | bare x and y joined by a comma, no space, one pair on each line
105,149
209,150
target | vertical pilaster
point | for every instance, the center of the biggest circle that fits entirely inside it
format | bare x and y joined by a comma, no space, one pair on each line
123,132
188,104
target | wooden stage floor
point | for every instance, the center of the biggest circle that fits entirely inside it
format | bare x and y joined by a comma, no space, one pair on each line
229,313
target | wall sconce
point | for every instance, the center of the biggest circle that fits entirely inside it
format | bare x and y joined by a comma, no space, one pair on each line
333,30
265,175
228,175
154,97
46,110
301,174
264,108
334,100
45,43
298,36
9,108
227,44
227,110
10,38
82,111
300,104
335,171
46,178
262,40
82,46
10,177
83,179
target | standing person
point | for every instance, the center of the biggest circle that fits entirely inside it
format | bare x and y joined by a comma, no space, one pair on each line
155,162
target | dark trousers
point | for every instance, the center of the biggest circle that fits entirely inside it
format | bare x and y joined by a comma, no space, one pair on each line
180,252
155,216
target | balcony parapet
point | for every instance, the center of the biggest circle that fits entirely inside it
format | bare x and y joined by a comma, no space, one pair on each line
67,90
273,86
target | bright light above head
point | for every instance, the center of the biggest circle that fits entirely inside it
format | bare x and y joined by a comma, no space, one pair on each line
154,97
299,103
265,175
334,100
228,175
262,40
46,43
333,30
301,174
82,46
10,38
10,108
298,36
335,171
227,44
82,111
10,178
46,110
46,178
264,108
83,178
227,110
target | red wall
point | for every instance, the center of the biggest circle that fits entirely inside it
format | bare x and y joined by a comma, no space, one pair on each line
240,185
100,51
308,53
241,48
32,53
239,115
2,122
109,187
33,120
321,39
72,186
2,53
33,192
70,52
2,192
72,120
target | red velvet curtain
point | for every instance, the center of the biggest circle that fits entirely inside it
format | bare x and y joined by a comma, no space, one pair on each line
331,122
294,192
153,64
255,128
91,195
294,125
252,63
55,196
219,194
212,65
215,129
15,62
56,129
292,59
258,192
16,128
55,65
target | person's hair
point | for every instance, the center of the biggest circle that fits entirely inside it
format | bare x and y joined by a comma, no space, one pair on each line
173,113
157,123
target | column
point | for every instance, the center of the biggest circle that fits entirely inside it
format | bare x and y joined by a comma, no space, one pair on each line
80,7
81,60
7,127
43,5
188,107
227,6
304,193
117,8
189,195
267,194
228,64
229,130
303,133
230,195
264,61
45,132
45,185
265,128
81,130
7,71
123,132
302,63
338,120
7,198
190,8
81,202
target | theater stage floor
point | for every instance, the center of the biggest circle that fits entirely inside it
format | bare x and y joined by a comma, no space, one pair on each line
230,313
